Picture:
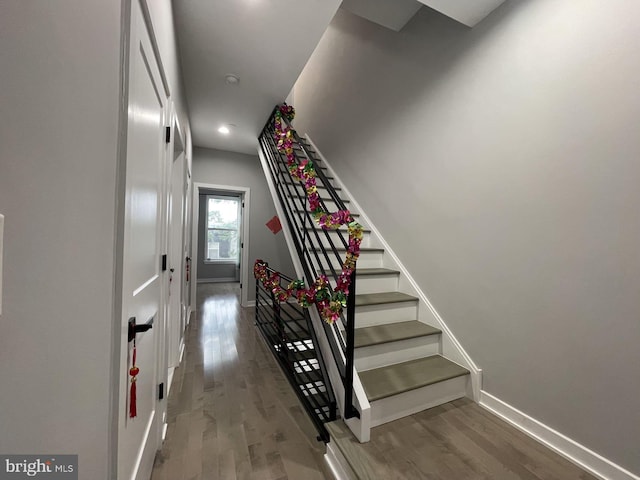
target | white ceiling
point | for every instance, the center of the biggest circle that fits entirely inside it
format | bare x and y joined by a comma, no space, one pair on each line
392,14
267,43
468,12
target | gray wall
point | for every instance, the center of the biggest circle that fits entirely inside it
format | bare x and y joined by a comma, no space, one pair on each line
508,157
218,271
240,170
59,71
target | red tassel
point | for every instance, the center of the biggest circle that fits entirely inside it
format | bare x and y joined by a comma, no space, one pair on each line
133,371
133,412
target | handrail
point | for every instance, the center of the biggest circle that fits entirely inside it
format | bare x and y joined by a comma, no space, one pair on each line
315,247
286,328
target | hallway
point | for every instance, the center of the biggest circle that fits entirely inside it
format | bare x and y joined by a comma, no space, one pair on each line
231,413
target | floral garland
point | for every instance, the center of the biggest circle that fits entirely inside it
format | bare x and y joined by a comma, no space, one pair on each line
329,305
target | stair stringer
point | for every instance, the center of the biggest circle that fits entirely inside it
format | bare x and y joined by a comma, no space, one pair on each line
359,426
450,346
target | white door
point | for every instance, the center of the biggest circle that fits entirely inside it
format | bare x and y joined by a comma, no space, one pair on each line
176,260
186,254
142,297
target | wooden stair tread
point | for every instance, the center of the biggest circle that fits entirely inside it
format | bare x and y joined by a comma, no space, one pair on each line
320,229
326,199
384,382
392,332
381,298
375,272
324,187
329,199
342,249
305,211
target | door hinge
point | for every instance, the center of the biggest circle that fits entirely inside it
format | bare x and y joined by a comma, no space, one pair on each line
164,262
242,204
167,134
241,244
240,286
161,391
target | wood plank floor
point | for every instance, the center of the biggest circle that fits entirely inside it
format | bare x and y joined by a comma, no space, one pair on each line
455,441
233,415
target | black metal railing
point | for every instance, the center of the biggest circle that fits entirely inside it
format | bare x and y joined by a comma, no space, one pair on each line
320,251
290,335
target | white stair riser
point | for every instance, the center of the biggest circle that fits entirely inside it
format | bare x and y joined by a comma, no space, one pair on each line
370,315
376,283
332,207
335,238
366,260
390,353
414,401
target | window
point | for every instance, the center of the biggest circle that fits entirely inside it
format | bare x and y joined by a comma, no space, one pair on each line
223,228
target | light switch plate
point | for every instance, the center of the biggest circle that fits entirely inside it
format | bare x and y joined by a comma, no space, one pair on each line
1,237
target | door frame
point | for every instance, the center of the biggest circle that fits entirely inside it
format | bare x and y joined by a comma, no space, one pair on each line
116,392
195,241
177,153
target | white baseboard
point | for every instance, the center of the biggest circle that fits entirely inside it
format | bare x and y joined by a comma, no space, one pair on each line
218,280
576,453
338,465
171,371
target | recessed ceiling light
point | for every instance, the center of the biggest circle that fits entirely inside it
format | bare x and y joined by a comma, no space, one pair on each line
231,79
226,129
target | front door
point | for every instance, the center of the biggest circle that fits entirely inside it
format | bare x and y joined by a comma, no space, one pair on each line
138,437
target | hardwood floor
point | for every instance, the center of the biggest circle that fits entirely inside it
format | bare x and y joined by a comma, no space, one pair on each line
455,441
233,415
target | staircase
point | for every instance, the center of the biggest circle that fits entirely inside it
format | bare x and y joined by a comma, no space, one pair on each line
398,346
398,357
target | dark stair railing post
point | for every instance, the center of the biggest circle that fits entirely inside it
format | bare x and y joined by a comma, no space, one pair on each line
349,409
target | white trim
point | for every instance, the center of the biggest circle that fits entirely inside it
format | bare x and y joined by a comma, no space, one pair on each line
589,460
404,404
170,372
182,349
251,303
338,464
447,336
245,265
